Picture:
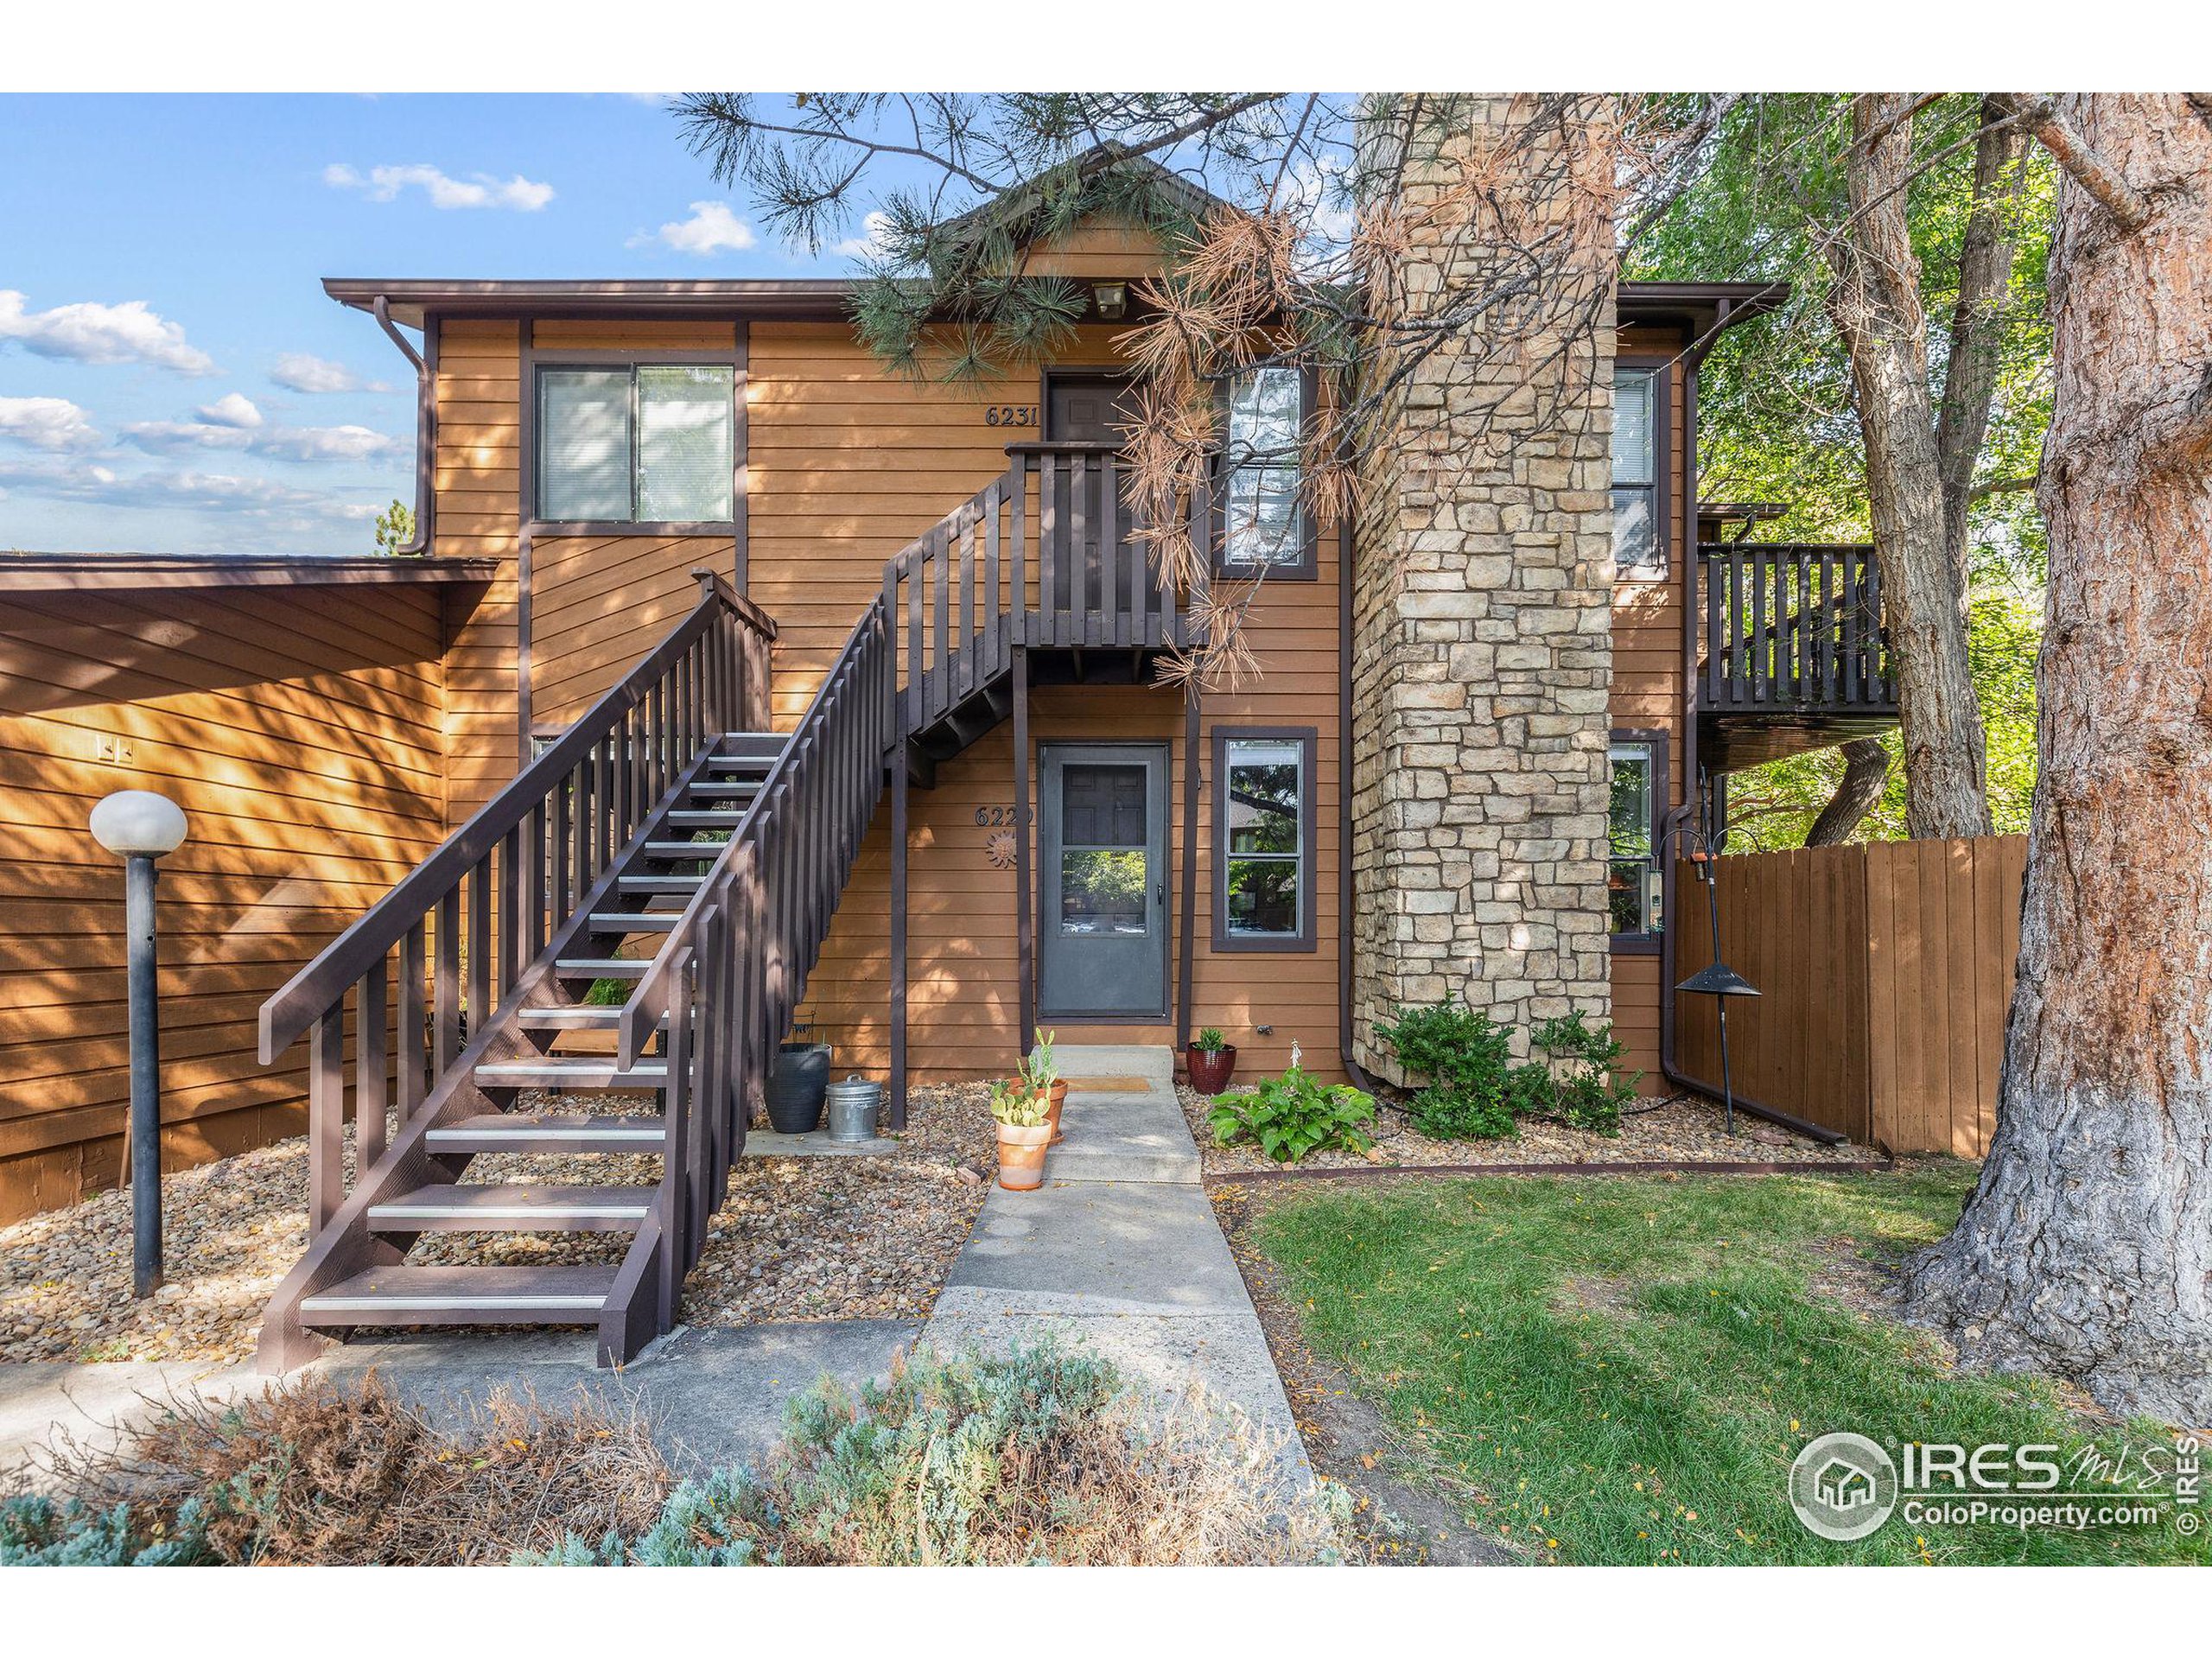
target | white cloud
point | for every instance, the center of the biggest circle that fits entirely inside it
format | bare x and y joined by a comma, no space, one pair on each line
231,409
300,372
90,333
297,443
259,498
869,244
712,228
46,423
478,190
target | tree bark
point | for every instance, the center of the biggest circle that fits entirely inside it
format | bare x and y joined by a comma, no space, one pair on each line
1978,321
2086,1250
1865,769
1875,300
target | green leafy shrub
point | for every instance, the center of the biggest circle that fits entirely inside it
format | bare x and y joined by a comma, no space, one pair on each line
1292,1115
1576,1083
1464,1054
40,1532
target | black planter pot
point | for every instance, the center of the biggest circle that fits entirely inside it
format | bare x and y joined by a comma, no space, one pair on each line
796,1086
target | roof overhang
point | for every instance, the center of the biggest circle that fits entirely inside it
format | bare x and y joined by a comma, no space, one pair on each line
21,573
1703,308
412,299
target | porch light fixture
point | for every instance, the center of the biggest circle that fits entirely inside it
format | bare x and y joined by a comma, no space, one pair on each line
138,827
1112,299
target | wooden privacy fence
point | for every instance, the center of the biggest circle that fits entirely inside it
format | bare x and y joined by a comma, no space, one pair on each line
1885,974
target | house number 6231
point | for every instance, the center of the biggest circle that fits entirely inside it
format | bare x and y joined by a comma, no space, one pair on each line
1010,415
994,817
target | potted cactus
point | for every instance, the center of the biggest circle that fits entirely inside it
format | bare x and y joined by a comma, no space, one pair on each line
1023,1134
1211,1061
1040,1074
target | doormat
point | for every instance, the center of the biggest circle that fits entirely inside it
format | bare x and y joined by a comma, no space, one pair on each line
1114,1085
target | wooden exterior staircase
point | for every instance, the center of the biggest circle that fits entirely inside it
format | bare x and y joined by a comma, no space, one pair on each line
670,850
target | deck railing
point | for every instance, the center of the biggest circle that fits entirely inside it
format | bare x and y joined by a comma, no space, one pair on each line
454,938
1045,556
1792,627
724,984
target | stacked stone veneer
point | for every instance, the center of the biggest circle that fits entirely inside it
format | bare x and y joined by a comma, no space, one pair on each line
1482,587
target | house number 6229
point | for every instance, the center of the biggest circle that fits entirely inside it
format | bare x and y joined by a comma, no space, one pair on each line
994,817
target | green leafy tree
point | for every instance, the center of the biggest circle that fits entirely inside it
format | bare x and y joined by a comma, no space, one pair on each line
1779,420
395,528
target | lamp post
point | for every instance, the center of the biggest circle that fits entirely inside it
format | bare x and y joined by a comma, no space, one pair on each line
138,827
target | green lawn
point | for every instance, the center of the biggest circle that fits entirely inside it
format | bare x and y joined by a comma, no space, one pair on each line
1621,1370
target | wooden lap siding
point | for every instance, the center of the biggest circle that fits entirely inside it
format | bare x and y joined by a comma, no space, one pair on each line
478,475
302,730
1647,696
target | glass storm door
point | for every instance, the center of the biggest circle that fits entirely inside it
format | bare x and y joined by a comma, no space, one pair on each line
1102,919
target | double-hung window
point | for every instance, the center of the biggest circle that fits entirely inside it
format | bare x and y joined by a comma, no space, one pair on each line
1264,524
640,443
1634,893
1263,840
1639,538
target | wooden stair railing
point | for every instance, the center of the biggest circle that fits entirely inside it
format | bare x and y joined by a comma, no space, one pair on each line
1792,628
471,932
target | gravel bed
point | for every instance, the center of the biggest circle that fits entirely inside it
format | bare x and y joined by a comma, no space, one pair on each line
797,1239
1653,1130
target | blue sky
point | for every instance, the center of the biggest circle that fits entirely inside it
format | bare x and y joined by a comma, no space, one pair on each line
172,378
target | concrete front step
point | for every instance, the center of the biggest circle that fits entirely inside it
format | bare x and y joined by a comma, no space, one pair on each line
1118,1132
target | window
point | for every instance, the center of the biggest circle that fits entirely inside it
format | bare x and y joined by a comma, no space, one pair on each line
649,443
1263,521
1639,544
1105,876
1263,840
1634,892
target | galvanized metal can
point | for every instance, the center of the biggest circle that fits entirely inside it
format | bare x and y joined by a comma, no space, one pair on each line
852,1105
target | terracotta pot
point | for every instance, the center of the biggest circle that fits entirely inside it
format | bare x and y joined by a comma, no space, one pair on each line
1022,1156
1209,1073
1055,1099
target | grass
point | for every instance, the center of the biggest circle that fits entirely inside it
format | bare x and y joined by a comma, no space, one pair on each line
1621,1369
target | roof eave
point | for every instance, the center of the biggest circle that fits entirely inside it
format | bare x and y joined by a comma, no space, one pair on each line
75,572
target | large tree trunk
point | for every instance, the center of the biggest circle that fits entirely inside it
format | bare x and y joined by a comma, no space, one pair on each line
1875,300
2087,1248
1866,770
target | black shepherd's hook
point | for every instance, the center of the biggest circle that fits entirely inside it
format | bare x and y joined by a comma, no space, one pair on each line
1716,980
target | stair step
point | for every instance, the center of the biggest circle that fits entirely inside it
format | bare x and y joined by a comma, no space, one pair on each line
600,968
635,921
575,1071
705,818
701,849
504,1208
402,1295
736,790
579,1016
753,763
535,1132
661,883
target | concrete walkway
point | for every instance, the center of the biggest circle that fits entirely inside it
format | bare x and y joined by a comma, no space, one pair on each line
1119,1252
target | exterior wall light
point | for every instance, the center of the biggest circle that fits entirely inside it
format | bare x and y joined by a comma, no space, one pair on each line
138,827
1112,299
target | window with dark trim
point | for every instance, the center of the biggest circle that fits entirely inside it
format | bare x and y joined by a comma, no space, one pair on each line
1263,838
1263,522
636,443
1635,886
1639,453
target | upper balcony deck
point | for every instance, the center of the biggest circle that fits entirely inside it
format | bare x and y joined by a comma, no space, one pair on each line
1791,652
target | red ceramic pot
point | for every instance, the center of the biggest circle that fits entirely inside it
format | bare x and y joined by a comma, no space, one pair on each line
1209,1073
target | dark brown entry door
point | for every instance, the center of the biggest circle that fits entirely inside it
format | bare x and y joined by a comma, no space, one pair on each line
1085,407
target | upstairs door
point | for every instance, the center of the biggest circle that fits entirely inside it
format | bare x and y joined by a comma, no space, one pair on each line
1085,406
1102,839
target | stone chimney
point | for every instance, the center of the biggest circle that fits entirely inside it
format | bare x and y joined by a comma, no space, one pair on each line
1483,584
